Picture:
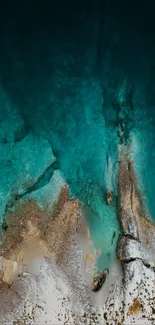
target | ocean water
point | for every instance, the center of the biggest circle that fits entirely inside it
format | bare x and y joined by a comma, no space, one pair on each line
72,73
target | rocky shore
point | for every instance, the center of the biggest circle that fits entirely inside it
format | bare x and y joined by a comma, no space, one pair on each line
42,261
53,230
132,301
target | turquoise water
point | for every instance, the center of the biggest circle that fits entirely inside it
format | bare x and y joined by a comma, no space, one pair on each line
65,71
144,157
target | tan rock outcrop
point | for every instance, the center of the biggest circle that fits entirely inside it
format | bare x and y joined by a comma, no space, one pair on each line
8,270
61,225
23,224
53,231
135,299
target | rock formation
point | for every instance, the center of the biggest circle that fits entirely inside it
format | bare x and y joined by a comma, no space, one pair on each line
99,280
109,197
132,301
53,230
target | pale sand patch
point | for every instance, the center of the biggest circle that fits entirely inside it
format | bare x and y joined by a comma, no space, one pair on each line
33,256
89,267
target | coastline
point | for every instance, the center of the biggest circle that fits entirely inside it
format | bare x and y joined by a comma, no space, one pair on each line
135,301
62,266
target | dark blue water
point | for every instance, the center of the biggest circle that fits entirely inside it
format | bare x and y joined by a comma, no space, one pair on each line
73,73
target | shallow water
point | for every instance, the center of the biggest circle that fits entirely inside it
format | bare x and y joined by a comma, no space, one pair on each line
66,77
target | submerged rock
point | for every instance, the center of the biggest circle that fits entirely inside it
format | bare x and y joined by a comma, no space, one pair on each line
109,197
99,280
113,237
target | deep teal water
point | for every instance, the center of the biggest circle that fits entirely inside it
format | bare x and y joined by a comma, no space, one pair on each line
66,69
